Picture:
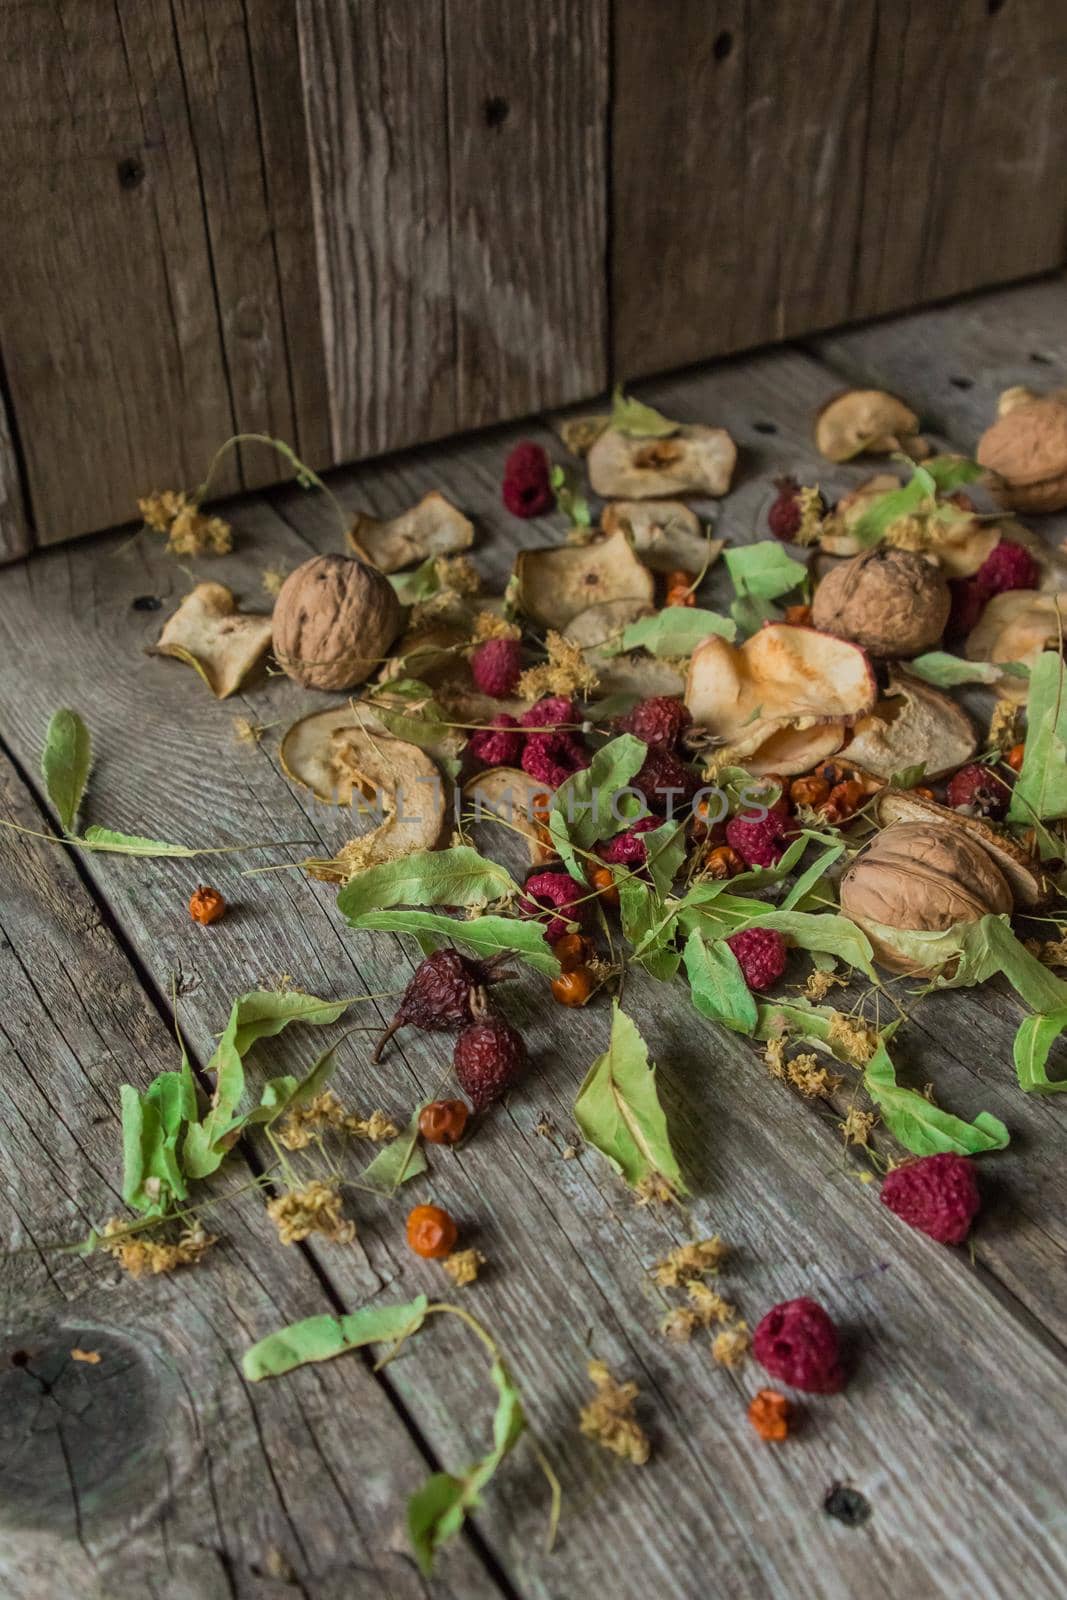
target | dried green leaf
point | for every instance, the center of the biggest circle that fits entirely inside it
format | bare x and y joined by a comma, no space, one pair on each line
1040,790
396,1162
640,421
588,806
574,506
673,632
618,1109
921,1127
66,761
1030,1052
947,671
132,844
718,985
322,1338
487,936
455,877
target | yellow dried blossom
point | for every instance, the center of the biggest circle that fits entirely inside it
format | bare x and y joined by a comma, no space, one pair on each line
908,533
608,1418
314,1209
193,534
819,983
160,509
566,671
138,1254
810,1078
457,575
809,501
858,1126
679,1325
730,1347
246,732
489,626
1004,725
1050,952
272,579
774,1056
462,1266
326,1111
654,1190
687,1262
856,1040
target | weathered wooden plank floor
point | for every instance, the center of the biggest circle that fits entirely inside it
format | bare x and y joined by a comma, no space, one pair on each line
159,1471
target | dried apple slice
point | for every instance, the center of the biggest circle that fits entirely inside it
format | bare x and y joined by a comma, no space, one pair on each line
836,538
866,421
510,793
666,534
636,674
433,527
693,460
788,750
600,623
1028,883
912,725
208,633
1017,626
556,583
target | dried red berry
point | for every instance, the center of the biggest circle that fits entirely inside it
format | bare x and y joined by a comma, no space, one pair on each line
443,1121
936,1194
666,783
446,991
770,1414
968,602
761,955
659,720
489,1058
797,1343
552,757
498,746
206,905
783,519
496,667
527,487
431,1232
1008,566
759,843
550,715
978,791
628,849
554,891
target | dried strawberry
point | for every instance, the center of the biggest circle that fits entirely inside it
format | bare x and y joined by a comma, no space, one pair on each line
978,791
936,1194
496,667
498,746
1008,566
797,1343
759,843
761,955
557,892
628,849
553,714
783,519
489,1058
551,758
664,781
446,991
660,720
527,486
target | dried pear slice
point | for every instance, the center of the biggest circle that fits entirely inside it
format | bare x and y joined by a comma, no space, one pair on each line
556,583
1028,883
433,527
600,623
636,674
912,725
509,793
694,460
666,534
1017,626
866,422
208,633
781,674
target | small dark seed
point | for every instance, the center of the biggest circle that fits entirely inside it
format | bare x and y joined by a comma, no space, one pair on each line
146,602
847,1505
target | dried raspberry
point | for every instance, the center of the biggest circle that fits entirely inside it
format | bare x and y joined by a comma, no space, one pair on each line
660,774
628,849
759,843
936,1194
554,713
553,891
797,1344
496,667
1008,566
760,954
968,603
489,1057
783,519
527,489
552,757
978,791
446,991
498,746
658,721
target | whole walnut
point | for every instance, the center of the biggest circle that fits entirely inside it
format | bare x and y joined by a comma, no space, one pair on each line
921,877
1027,449
891,602
334,620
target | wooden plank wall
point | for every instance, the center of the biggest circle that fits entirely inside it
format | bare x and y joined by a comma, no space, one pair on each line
359,224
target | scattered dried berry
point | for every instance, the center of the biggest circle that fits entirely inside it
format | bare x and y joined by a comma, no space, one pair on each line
553,891
761,955
1008,566
443,1121
659,720
500,745
783,519
936,1194
680,589
628,849
844,800
1015,757
813,791
723,862
553,757
489,1058
978,791
446,992
572,951
496,667
431,1232
665,782
769,1413
573,988
968,602
798,616
797,1344
554,713
603,881
527,487
206,905
760,843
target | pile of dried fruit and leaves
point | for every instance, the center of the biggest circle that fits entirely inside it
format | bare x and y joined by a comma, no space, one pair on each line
811,786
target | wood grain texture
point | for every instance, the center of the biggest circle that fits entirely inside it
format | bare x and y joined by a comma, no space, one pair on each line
527,98
157,1469
16,535
108,318
957,1366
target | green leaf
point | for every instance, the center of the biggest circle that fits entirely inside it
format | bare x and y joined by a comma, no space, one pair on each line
586,808
717,984
618,1109
487,936
1041,788
666,850
822,931
263,1013
422,583
1033,1041
321,1338
674,631
132,844
574,506
950,473
649,928
455,877
151,1177
922,1128
396,1162
66,761
947,671
871,526
763,570
642,422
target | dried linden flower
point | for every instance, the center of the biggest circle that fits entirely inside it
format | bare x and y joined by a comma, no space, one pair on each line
708,1306
856,1040
810,503
159,510
1004,725
687,1262
608,1417
488,626
272,579
858,1126
189,532
566,671
462,1266
679,1325
138,1254
654,1190
326,1111
819,984
810,1078
313,1209
730,1347
1050,952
